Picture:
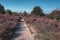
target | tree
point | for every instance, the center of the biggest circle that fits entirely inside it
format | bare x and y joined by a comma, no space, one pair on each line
38,11
8,12
2,10
25,13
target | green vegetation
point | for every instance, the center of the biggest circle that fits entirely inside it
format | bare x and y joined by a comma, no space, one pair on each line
24,13
55,14
38,11
2,10
55,17
8,12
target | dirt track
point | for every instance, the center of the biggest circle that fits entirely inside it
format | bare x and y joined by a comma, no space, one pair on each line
22,32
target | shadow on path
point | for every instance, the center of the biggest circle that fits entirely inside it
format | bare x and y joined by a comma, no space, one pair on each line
18,31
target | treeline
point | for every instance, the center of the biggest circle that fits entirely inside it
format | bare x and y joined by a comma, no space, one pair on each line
55,14
3,11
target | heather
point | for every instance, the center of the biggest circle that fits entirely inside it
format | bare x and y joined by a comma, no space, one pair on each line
35,25
8,24
47,29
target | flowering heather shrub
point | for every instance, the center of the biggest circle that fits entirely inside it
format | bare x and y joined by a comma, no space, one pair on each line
8,25
58,24
45,25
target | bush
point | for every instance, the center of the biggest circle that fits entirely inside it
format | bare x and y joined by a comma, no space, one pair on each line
8,12
55,14
25,13
55,17
8,25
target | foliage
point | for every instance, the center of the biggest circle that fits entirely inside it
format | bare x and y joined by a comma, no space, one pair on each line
50,16
2,10
55,14
8,12
55,17
25,13
38,11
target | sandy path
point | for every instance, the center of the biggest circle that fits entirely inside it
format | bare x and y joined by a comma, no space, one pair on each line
23,32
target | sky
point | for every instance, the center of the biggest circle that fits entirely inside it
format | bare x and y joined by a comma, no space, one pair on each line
27,5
